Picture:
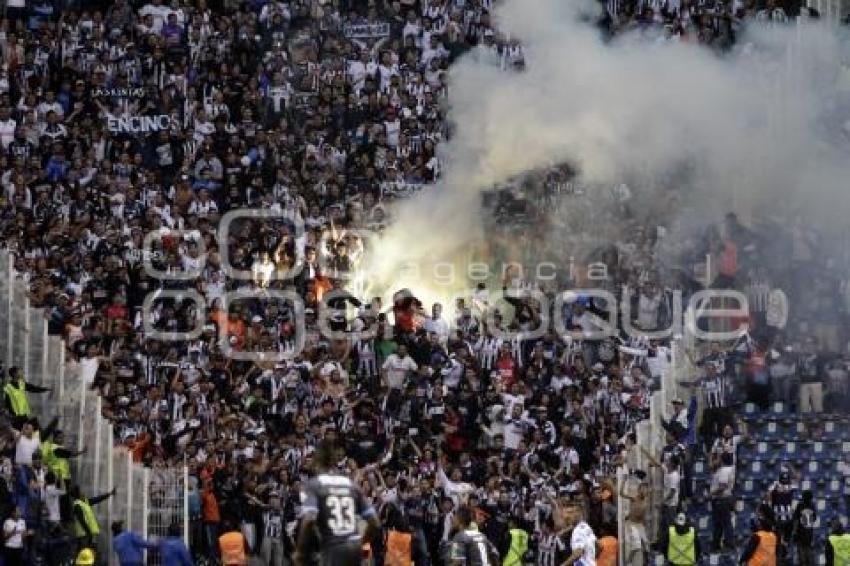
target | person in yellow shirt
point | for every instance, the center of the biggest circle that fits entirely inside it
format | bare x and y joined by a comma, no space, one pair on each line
56,455
519,545
680,543
15,396
86,527
837,545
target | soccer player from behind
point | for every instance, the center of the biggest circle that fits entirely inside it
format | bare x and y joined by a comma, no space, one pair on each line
331,505
469,547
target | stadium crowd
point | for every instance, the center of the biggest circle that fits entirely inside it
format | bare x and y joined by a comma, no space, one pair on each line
130,131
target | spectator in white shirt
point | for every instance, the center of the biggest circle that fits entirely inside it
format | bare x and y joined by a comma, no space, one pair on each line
672,484
437,324
51,494
8,125
359,69
392,125
722,505
582,539
412,28
454,488
157,11
14,530
396,368
27,443
516,426
434,50
649,304
50,104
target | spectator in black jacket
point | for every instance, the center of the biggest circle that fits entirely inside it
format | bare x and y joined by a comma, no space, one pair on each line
805,517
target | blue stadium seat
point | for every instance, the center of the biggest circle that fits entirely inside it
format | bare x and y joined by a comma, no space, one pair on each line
834,486
750,412
842,428
778,411
772,431
836,448
789,451
698,508
773,459
746,451
845,490
701,487
748,489
831,431
742,522
721,560
814,471
754,471
826,467
804,452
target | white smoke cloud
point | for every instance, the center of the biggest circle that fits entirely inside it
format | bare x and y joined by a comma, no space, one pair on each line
759,126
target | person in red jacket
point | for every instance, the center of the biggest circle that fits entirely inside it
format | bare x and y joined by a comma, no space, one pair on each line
506,366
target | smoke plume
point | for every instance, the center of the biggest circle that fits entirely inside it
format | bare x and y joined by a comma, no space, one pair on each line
759,128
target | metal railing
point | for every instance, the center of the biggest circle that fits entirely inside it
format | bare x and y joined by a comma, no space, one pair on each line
148,501
649,435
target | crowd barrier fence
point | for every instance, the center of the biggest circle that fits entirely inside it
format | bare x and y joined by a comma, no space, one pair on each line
147,500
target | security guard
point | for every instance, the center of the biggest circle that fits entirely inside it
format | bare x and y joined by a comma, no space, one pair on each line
519,545
15,394
837,545
681,546
55,455
86,527
761,548
608,550
233,547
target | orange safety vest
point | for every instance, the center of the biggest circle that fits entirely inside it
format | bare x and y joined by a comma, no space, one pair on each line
398,549
232,546
765,554
607,552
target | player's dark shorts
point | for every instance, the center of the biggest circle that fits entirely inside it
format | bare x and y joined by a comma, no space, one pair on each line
342,555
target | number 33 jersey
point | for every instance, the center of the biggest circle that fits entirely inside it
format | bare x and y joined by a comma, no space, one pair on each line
334,502
471,548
